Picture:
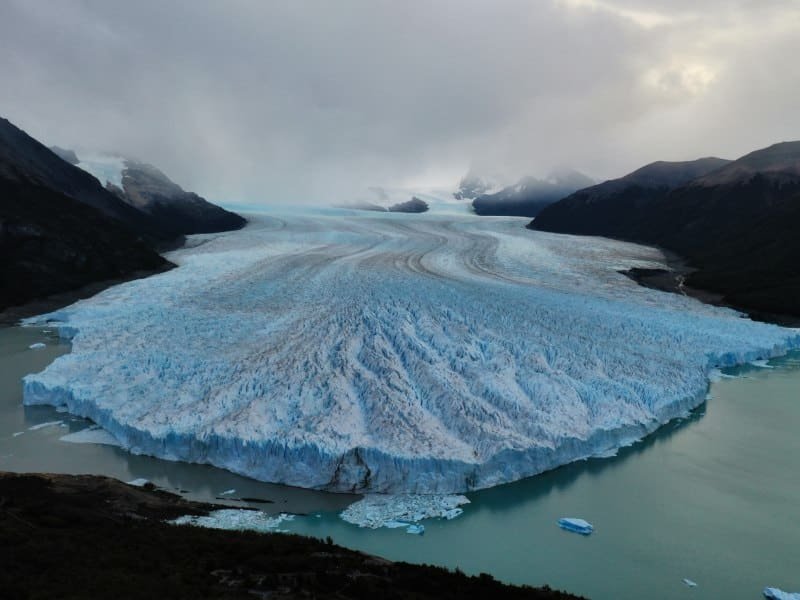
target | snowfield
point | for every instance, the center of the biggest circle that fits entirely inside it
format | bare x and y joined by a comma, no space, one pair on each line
392,353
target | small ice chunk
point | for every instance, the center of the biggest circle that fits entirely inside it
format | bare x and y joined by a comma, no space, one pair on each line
228,492
139,482
777,594
689,582
576,525
43,425
17,433
762,364
37,346
236,519
415,529
92,435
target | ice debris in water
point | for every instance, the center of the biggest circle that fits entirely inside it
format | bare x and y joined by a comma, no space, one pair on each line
402,510
576,525
778,594
43,425
227,492
91,435
37,346
689,582
236,519
392,354
762,364
139,482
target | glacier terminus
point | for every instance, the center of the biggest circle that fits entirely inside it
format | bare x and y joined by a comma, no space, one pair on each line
433,353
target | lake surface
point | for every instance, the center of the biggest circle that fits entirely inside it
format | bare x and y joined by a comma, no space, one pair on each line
714,498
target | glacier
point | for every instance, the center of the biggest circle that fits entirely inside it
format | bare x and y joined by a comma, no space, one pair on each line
354,351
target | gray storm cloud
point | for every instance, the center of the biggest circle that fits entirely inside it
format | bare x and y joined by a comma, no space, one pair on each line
318,101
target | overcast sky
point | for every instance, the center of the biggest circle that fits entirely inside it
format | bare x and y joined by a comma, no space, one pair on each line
316,101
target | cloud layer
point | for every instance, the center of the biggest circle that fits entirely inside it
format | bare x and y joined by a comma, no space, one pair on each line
317,101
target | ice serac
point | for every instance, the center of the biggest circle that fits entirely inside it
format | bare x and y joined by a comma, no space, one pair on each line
363,351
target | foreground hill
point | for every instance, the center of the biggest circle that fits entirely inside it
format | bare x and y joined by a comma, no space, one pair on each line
736,224
529,196
83,536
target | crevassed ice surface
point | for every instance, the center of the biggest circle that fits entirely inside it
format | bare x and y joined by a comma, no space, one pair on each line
431,353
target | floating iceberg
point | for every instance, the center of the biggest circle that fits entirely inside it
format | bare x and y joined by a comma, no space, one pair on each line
689,583
776,594
236,519
402,510
37,346
576,525
44,425
392,353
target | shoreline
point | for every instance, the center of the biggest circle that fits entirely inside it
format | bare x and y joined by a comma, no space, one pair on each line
12,315
672,279
112,537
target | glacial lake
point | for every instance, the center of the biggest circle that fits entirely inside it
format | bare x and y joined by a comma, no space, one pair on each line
714,498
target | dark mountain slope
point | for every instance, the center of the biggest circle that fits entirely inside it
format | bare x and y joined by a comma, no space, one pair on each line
52,243
529,196
738,225
178,211
613,208
23,156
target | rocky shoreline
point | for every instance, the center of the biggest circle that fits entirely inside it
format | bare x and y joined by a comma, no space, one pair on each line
86,536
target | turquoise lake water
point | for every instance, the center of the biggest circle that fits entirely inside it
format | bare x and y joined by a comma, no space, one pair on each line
714,498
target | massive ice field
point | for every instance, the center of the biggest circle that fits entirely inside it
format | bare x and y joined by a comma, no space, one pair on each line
433,353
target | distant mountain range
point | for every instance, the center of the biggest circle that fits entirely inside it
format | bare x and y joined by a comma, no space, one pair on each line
60,229
736,222
471,186
530,195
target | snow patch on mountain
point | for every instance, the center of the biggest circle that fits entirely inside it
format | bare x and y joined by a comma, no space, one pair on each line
107,169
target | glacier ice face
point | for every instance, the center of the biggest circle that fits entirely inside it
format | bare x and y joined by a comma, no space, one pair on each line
778,594
90,435
355,351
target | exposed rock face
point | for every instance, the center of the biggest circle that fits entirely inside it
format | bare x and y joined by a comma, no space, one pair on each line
23,159
180,212
529,196
736,222
64,154
415,205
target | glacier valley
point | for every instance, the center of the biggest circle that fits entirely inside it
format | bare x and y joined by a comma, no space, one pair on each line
431,353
